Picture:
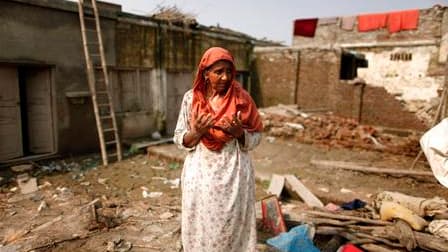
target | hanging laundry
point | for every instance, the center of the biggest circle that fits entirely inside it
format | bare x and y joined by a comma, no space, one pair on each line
347,23
328,21
402,20
371,22
305,27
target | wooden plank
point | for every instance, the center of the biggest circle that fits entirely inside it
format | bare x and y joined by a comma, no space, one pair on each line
277,184
356,167
294,185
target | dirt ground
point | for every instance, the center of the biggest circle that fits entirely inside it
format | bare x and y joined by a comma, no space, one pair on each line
137,201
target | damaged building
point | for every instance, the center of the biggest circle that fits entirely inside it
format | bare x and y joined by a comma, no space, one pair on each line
379,76
45,105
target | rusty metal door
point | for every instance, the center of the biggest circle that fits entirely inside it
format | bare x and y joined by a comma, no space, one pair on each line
10,119
39,113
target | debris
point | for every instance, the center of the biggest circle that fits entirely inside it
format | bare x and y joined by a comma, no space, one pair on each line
324,189
391,210
118,245
14,189
439,228
166,215
63,194
270,139
353,205
420,206
296,126
277,184
160,168
174,182
356,167
86,183
147,194
22,168
299,238
42,206
332,207
103,181
44,185
295,186
272,215
156,135
345,190
27,184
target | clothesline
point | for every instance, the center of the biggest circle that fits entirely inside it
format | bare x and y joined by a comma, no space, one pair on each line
394,21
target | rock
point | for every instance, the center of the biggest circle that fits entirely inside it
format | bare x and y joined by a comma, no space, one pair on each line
14,189
22,168
86,183
118,245
102,181
147,194
166,215
156,135
43,205
44,185
27,184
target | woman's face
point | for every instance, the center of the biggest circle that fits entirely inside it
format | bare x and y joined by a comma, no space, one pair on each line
220,76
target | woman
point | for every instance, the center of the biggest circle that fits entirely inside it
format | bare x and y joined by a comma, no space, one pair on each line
218,124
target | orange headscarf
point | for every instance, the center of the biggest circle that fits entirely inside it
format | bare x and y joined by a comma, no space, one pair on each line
236,99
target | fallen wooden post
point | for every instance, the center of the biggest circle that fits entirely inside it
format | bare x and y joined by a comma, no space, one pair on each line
294,185
356,167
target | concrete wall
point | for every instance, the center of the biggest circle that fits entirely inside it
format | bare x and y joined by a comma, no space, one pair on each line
51,36
413,80
150,61
314,75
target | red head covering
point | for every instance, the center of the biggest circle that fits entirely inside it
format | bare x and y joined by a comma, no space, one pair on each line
235,99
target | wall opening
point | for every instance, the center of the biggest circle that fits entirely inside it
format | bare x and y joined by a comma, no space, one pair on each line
350,62
26,118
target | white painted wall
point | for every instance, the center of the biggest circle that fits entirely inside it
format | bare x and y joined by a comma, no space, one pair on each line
407,80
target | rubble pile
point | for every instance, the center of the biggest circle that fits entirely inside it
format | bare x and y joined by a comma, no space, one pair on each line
333,131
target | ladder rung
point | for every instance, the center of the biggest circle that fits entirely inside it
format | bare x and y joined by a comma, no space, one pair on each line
103,105
95,55
109,130
102,92
90,30
112,154
106,117
89,17
111,142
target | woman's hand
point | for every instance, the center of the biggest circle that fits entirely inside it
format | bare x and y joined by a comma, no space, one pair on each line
199,126
202,123
234,126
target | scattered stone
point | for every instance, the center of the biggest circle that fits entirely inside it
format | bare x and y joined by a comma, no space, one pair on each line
166,215
345,190
270,139
156,135
173,182
43,205
86,183
14,189
118,245
103,181
44,185
27,184
147,194
22,168
324,189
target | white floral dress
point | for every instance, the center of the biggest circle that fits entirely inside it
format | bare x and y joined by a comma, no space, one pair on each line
218,193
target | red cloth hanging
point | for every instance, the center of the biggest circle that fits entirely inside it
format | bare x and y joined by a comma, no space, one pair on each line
305,27
403,20
370,22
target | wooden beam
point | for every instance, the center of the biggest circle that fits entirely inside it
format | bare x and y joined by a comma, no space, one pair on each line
294,185
356,167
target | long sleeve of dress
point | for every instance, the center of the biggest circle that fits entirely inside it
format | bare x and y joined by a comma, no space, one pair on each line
182,126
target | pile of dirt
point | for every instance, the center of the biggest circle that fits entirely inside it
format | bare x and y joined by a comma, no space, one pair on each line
334,131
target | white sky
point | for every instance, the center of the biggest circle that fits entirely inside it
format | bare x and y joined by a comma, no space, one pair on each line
271,19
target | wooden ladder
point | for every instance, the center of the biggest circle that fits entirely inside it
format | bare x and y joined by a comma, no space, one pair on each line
98,80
